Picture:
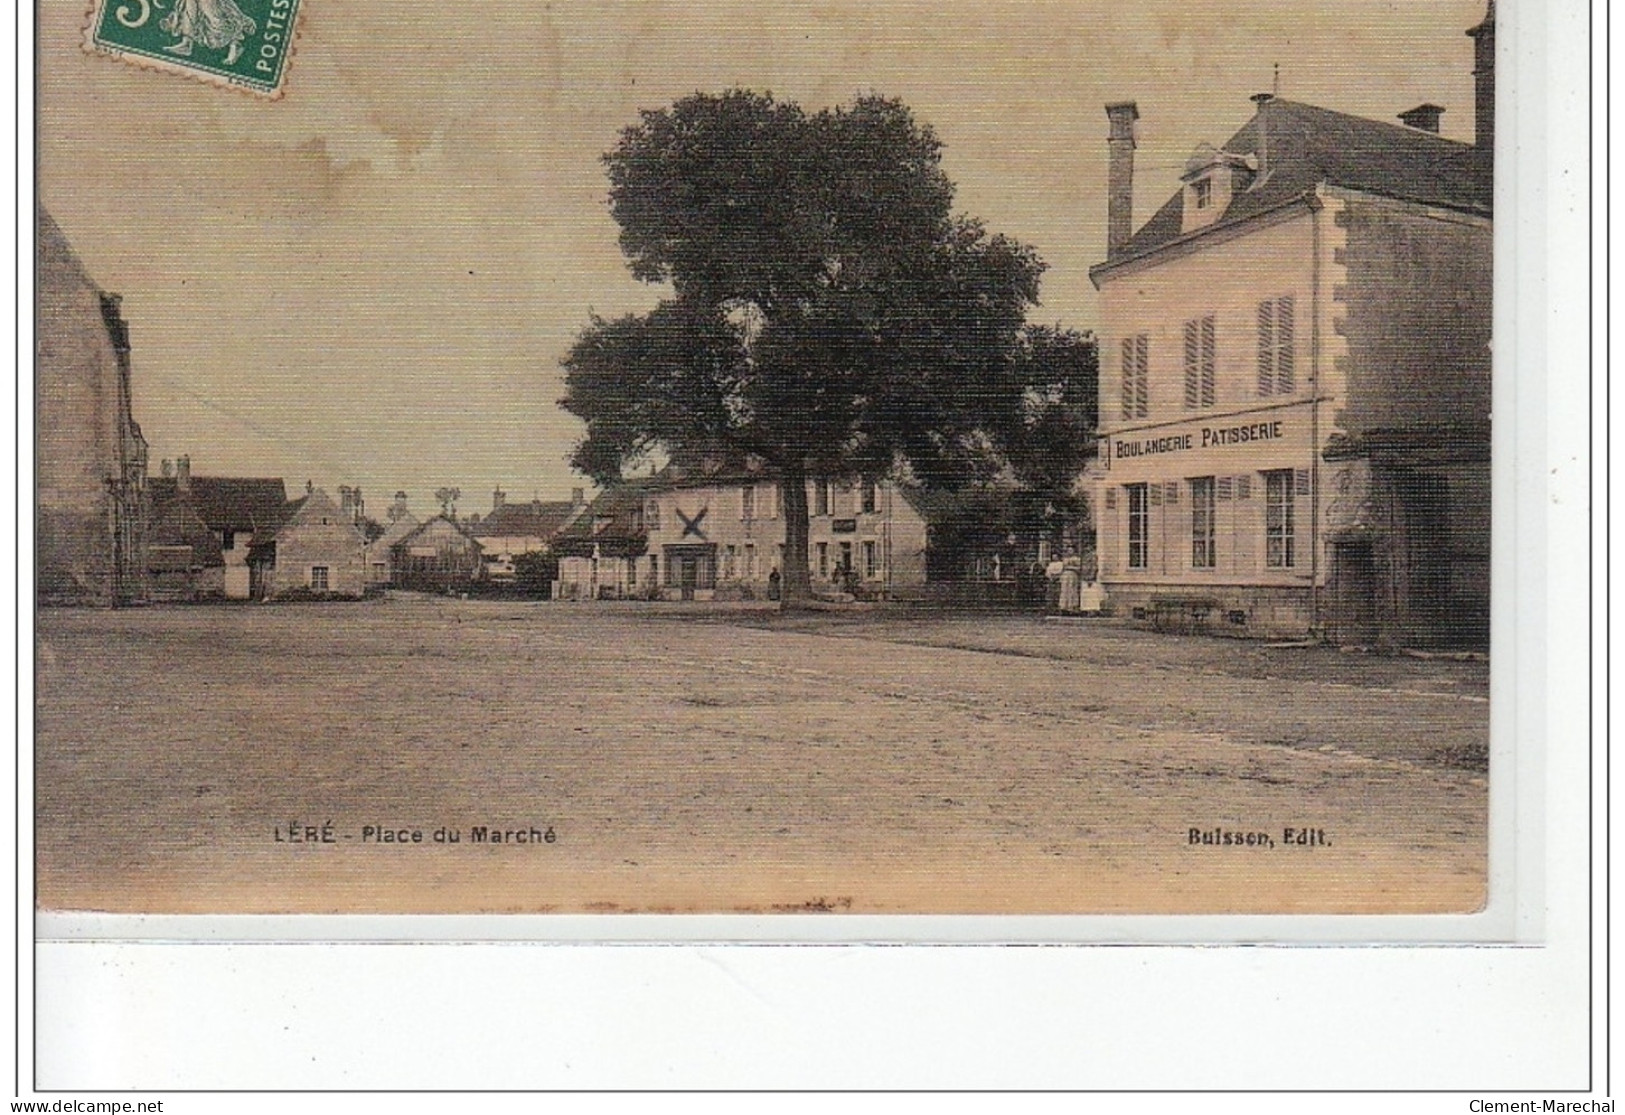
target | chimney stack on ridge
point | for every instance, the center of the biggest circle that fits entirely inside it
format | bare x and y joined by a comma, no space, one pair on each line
1120,176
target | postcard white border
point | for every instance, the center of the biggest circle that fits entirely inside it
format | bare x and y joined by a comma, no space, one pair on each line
146,1009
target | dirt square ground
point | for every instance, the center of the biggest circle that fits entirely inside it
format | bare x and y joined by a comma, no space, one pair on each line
254,759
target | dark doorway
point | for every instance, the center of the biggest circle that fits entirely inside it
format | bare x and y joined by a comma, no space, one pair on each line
1354,611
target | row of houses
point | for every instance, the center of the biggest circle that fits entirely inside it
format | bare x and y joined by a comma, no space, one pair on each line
1294,433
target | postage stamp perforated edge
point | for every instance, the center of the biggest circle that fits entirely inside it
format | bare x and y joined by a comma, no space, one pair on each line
196,71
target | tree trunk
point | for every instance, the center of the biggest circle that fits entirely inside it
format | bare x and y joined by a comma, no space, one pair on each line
796,588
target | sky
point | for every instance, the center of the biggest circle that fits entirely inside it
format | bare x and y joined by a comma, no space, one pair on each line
371,281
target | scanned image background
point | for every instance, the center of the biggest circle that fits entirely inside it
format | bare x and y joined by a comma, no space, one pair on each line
1268,379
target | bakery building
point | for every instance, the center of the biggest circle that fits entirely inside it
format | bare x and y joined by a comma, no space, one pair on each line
1295,378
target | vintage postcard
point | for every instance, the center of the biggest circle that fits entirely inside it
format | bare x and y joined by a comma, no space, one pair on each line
756,457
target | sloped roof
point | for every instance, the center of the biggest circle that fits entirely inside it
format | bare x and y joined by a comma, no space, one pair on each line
53,248
535,519
428,524
397,530
1308,146
177,524
614,520
225,502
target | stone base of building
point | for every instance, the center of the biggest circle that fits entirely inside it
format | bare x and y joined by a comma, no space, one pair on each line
76,565
1246,611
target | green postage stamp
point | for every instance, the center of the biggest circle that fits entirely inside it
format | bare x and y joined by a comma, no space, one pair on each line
241,43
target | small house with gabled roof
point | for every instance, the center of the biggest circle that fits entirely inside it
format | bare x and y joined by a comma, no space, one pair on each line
439,555
314,550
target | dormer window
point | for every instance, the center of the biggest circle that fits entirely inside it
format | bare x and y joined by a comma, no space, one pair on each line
1212,177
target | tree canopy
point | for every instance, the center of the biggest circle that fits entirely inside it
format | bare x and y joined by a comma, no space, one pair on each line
828,311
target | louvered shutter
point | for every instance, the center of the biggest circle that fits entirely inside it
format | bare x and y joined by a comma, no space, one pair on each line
1223,487
1284,379
1142,376
1266,348
1244,487
1300,481
1129,385
1193,361
1209,360
1111,499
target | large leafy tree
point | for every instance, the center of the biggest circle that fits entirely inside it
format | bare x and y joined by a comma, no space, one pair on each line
828,311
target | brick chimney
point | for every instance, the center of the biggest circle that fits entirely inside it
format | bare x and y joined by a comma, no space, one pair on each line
397,510
1120,176
1423,118
1483,37
183,473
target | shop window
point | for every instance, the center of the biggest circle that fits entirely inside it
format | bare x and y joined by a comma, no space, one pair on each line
1276,372
1278,525
1136,376
1139,525
1203,553
1201,354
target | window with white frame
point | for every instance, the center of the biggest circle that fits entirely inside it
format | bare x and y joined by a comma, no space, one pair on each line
870,497
1201,357
318,578
821,497
1136,376
747,502
1277,374
1203,555
1278,516
1202,191
1139,525
871,559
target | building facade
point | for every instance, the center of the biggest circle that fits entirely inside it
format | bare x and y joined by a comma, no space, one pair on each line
315,550
439,555
1295,385
232,512
90,460
720,535
514,529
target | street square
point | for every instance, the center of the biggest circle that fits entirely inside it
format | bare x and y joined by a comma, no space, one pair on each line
438,755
